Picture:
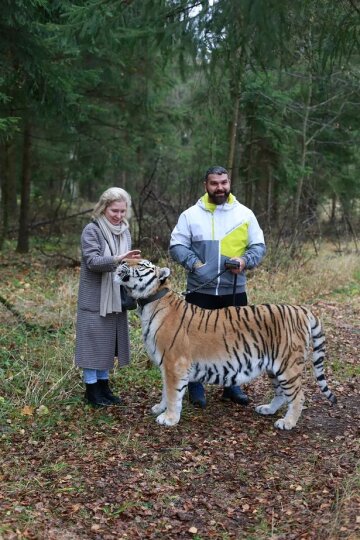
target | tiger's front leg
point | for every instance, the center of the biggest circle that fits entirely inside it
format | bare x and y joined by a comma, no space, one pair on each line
160,407
175,381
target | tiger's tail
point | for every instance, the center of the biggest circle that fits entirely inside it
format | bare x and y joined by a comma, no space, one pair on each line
318,338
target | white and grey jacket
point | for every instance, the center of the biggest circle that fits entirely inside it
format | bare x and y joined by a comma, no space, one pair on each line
211,234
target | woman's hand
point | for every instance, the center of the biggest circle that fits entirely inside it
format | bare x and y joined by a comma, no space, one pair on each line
132,254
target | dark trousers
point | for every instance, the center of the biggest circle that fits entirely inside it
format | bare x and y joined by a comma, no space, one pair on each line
210,301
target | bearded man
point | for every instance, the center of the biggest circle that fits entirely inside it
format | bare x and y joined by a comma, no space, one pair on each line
215,230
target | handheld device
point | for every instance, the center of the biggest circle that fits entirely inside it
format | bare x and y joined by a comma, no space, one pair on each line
231,264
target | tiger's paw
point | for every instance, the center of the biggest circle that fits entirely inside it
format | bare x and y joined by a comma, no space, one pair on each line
284,424
264,409
166,420
158,408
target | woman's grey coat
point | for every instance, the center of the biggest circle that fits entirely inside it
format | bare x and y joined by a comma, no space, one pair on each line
98,337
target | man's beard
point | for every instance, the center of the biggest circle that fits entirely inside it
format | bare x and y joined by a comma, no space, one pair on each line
220,198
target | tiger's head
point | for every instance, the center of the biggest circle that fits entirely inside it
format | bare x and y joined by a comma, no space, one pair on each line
141,278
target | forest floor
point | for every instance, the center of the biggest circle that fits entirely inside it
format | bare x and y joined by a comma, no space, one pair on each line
221,473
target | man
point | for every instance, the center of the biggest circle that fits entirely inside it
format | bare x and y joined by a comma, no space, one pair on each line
215,229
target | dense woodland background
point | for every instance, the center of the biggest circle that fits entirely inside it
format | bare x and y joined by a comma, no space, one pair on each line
147,95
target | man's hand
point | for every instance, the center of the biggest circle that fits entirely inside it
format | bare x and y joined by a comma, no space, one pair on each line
198,264
242,265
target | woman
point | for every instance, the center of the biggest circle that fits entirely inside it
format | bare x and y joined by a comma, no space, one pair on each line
102,327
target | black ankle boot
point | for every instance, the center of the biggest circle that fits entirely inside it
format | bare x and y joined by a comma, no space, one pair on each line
107,393
95,397
235,394
197,394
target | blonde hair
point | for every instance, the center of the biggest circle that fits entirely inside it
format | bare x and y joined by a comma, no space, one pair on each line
113,194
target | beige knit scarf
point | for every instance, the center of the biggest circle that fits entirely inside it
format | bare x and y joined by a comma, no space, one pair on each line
116,244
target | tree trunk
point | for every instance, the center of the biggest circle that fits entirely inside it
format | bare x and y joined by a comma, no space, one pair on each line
262,183
274,210
250,149
270,190
23,238
235,93
3,208
8,188
233,134
11,173
333,208
304,150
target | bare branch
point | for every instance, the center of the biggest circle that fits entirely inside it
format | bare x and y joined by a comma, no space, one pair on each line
56,220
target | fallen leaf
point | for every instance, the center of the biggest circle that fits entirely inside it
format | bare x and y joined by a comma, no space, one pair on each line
27,410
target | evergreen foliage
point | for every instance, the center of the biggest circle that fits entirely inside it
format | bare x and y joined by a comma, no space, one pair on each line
148,94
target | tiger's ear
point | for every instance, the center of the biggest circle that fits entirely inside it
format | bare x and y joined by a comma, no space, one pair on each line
164,274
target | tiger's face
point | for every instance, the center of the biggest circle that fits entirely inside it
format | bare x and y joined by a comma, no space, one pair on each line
141,278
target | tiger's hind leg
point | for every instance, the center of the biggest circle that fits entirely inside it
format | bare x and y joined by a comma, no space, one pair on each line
175,381
293,413
290,382
278,400
287,384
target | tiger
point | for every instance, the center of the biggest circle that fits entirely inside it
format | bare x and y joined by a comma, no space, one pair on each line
229,346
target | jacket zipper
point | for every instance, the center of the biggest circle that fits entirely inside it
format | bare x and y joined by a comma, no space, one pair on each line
213,238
